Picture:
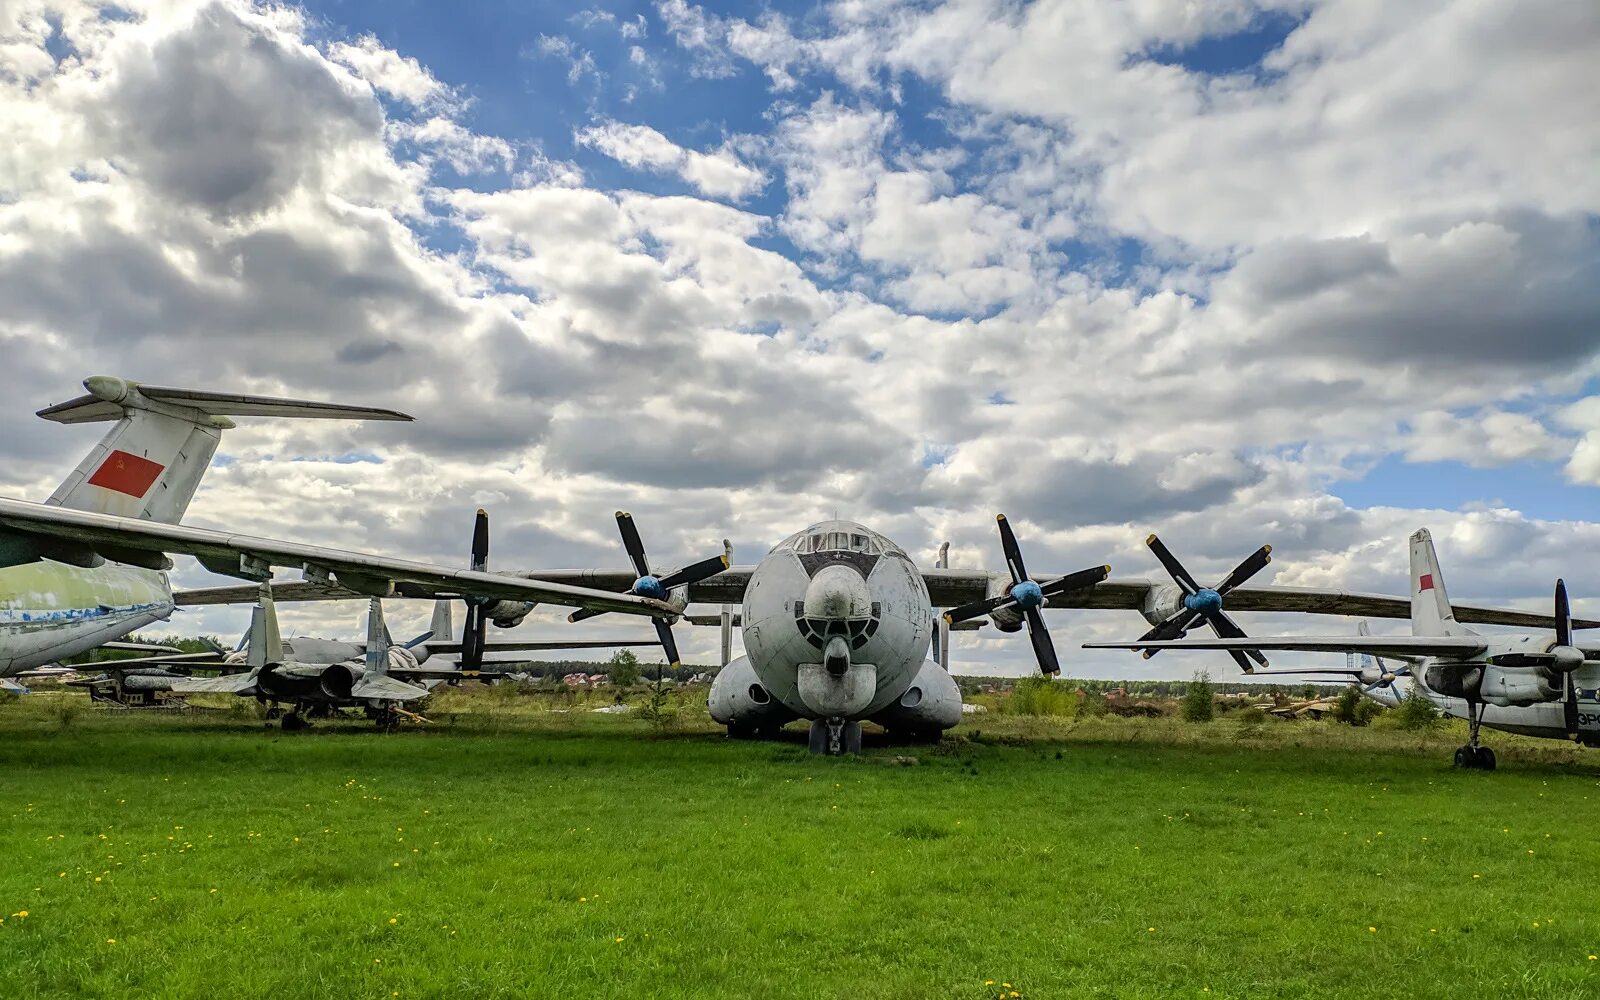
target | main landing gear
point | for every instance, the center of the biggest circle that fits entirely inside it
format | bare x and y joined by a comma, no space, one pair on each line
294,722
1472,756
834,737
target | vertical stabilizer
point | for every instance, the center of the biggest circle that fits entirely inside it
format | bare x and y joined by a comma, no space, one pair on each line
441,625
150,463
264,643
1431,613
378,642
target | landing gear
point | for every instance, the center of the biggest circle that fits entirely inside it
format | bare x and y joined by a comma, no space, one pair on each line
834,737
1472,756
388,719
294,722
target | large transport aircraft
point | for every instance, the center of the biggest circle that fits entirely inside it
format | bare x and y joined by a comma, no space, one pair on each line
838,620
88,565
1536,685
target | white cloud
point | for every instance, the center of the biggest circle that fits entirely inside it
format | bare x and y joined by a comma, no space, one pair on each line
400,77
720,173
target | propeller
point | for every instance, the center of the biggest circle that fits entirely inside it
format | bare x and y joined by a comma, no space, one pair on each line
1566,658
475,629
1028,596
648,584
1206,603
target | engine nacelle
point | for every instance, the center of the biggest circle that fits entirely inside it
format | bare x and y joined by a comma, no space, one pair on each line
929,706
509,614
1004,619
741,702
1161,603
1453,681
1510,686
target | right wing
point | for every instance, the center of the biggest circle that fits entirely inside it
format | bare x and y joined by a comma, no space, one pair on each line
1455,646
242,555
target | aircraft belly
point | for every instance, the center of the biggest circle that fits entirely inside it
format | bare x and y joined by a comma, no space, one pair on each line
49,610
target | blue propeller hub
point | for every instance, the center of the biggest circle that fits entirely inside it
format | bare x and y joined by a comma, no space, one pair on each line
1027,595
649,586
1203,600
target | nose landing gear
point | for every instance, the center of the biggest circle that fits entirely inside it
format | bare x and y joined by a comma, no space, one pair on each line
834,737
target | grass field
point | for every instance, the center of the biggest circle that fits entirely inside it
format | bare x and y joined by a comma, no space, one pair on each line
508,852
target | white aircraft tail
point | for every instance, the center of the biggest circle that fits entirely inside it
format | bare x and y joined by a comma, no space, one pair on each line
442,626
263,643
1431,613
378,640
150,463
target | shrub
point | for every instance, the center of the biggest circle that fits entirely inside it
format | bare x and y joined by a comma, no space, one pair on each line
1251,716
1043,696
1347,707
1416,712
1199,699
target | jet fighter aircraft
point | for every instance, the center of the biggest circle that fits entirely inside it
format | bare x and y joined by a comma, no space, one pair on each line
1532,684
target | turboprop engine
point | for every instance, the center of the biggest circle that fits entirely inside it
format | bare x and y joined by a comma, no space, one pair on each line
1509,687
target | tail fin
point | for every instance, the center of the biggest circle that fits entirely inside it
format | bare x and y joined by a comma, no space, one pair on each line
265,643
378,641
1431,613
149,465
442,627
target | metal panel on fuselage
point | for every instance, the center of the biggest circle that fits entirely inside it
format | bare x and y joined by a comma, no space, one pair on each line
50,610
776,647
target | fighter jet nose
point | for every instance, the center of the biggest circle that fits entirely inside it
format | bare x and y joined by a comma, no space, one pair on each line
839,593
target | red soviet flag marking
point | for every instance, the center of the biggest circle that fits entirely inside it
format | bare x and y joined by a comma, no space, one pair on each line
126,473
1426,583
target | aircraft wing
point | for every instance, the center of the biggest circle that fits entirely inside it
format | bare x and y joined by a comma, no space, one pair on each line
243,684
514,645
205,659
726,587
385,688
128,539
955,587
124,645
1457,646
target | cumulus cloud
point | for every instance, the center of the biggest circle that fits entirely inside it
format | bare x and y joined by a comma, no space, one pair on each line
720,173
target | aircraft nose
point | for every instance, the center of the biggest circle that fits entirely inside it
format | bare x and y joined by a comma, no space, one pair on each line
839,593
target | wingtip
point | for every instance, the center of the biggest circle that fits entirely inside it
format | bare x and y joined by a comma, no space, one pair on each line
1107,568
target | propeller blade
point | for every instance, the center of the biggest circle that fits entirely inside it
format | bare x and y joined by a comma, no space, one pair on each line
633,543
668,644
694,574
1080,580
1043,649
1570,709
419,640
1252,565
1013,551
1172,565
473,637
977,609
480,541
1227,628
1172,628
1563,615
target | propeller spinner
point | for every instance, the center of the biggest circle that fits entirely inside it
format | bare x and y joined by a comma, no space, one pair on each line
1028,597
1206,602
650,585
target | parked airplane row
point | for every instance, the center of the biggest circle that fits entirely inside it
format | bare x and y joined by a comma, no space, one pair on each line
837,619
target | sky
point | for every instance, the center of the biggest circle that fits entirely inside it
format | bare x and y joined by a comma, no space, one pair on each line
1312,273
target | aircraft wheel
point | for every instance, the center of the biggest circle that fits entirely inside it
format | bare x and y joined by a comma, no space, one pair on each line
850,739
1466,758
1485,759
744,733
293,723
273,712
817,739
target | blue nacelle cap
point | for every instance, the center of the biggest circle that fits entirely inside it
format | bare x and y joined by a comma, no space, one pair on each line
649,586
1027,595
1203,600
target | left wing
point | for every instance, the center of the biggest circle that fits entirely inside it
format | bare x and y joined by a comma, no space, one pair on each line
726,587
126,539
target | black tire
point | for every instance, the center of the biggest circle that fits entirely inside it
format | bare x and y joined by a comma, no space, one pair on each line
817,739
293,723
1465,758
1485,759
850,738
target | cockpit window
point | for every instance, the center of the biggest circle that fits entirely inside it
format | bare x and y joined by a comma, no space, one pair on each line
836,541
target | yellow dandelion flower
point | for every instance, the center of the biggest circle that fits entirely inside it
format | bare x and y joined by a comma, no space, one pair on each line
619,940
111,940
392,920
988,982
21,913
397,864
1372,930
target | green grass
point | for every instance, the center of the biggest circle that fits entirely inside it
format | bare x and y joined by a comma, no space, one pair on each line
509,852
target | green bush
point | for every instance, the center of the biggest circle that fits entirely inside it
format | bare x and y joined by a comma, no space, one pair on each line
1043,696
1416,712
1199,699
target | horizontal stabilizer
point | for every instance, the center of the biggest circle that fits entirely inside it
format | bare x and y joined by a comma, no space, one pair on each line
110,398
385,688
